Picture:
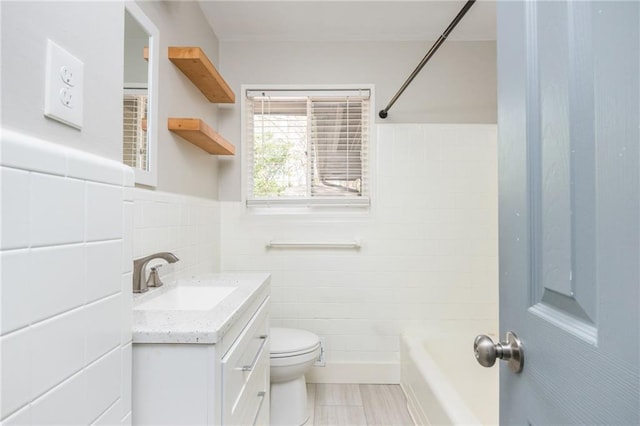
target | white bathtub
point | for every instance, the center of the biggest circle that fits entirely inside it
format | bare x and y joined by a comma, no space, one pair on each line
443,382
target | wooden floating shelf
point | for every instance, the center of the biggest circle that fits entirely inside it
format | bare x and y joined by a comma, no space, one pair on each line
200,134
198,68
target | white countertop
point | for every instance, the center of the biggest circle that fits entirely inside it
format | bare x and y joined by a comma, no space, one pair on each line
196,326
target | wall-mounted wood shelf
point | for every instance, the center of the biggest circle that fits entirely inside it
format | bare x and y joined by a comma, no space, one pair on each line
198,68
200,134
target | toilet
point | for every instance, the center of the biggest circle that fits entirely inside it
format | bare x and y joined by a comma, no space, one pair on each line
293,352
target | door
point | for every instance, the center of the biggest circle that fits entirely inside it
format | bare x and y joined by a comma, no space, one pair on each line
568,96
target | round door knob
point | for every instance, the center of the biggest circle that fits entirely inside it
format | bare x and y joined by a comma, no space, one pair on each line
487,352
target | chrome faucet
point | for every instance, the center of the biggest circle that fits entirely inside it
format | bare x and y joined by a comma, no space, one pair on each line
139,283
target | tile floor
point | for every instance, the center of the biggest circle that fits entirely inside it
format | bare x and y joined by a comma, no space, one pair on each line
357,405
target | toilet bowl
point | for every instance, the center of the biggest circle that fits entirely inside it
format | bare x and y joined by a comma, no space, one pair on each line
292,352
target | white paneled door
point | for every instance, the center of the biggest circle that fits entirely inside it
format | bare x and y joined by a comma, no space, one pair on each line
568,85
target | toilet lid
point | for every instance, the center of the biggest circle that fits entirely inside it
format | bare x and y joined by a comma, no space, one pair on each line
291,340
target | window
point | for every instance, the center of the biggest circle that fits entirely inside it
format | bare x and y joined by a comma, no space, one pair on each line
308,148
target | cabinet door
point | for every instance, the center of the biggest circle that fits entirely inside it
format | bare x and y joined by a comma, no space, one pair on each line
245,371
170,383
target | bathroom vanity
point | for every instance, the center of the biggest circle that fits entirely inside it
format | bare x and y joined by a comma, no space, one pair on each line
201,352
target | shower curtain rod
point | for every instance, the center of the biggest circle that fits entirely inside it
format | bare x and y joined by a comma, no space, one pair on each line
383,113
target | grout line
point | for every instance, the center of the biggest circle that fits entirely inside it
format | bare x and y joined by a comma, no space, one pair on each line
57,245
93,422
60,314
12,413
363,407
103,298
16,249
106,240
71,377
110,351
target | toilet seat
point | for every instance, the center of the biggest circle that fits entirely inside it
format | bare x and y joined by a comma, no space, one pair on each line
289,342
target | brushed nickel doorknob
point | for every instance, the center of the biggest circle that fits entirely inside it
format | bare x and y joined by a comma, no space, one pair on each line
487,352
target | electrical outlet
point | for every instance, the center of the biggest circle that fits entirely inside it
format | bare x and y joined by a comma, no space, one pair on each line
67,76
64,86
320,361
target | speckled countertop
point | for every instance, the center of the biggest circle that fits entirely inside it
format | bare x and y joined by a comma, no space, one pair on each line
196,326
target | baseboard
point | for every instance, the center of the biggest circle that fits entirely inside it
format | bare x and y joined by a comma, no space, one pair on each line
367,373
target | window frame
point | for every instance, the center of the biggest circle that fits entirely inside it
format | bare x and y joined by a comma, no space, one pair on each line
307,205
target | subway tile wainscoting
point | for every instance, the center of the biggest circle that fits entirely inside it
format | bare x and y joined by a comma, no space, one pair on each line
186,226
428,258
72,224
66,259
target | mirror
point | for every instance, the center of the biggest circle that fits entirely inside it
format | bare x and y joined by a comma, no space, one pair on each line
139,121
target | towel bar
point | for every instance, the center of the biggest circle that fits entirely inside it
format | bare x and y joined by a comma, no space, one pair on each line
312,245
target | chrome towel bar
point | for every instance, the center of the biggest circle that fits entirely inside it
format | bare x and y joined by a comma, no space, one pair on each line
314,245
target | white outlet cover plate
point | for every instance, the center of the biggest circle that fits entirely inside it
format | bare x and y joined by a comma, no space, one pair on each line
64,86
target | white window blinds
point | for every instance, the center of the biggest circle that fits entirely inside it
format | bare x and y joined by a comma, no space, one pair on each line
308,147
134,130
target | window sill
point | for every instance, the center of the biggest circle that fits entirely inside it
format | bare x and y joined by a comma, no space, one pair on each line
325,207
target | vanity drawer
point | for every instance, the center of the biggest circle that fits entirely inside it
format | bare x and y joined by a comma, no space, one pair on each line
235,331
252,405
245,369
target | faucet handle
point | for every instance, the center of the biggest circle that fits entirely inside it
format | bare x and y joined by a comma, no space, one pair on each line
154,278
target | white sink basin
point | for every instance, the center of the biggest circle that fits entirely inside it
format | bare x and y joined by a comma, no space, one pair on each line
187,298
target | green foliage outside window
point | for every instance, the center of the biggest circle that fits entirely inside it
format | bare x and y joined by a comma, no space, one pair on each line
279,158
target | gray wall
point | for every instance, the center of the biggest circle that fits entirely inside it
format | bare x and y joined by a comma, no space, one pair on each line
93,32
184,168
96,36
457,86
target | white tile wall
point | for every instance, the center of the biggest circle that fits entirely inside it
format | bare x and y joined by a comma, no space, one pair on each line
429,260
103,381
14,204
65,330
125,384
20,417
66,404
429,248
16,300
58,275
58,349
104,212
56,210
17,351
188,227
103,282
104,336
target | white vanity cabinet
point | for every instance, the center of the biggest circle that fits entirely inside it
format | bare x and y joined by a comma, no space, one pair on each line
224,383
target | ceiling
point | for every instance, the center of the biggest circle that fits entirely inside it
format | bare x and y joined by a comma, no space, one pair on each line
342,20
